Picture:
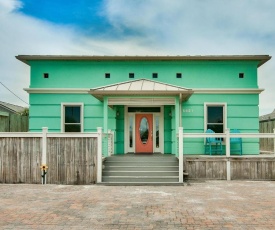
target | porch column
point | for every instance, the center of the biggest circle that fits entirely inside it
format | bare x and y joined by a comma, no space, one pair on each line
177,113
105,115
177,118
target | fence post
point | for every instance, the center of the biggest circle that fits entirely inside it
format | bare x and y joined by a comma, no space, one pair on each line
227,142
227,146
44,154
274,142
180,154
99,155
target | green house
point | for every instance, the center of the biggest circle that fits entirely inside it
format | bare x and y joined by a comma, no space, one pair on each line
145,99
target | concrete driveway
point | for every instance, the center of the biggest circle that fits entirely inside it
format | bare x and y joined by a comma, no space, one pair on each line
207,205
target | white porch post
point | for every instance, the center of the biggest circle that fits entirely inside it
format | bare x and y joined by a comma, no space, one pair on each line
227,146
177,119
274,142
99,155
227,142
44,154
105,114
180,154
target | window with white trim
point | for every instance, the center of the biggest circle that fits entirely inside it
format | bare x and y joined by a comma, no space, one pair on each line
72,118
215,117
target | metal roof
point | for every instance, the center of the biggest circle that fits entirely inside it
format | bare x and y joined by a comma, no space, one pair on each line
141,87
270,116
261,58
11,108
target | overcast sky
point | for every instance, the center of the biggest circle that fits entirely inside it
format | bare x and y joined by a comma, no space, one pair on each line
137,27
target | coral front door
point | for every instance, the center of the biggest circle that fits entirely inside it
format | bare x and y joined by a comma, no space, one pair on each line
144,133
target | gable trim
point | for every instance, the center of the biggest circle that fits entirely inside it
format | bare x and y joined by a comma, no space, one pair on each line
57,90
142,101
228,91
195,91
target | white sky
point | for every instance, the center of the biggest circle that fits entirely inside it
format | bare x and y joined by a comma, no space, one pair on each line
144,27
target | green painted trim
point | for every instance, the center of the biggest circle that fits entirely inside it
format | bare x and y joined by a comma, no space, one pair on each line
105,114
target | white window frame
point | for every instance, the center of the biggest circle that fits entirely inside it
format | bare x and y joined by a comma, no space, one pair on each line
209,104
63,105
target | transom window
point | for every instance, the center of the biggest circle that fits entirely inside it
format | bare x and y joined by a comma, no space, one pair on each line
215,117
72,118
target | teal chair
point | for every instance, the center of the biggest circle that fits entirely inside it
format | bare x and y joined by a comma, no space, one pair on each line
212,144
236,143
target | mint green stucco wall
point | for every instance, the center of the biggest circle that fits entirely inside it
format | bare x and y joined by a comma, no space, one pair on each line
242,109
242,114
195,74
45,111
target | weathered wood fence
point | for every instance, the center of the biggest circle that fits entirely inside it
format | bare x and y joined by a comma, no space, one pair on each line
267,144
241,168
227,167
71,158
14,123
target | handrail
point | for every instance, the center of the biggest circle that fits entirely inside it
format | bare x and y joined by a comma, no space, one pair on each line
40,134
231,135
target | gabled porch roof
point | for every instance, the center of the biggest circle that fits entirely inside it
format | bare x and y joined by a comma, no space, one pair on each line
141,87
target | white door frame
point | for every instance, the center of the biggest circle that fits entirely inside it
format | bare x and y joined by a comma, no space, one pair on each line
161,129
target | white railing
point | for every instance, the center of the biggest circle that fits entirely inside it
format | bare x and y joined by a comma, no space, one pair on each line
111,142
227,135
99,155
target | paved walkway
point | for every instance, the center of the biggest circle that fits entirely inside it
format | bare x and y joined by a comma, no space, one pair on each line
207,205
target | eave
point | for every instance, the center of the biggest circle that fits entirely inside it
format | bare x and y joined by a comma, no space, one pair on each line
260,58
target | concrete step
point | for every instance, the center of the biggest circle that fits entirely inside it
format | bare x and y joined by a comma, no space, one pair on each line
143,179
140,168
142,158
141,183
140,163
140,173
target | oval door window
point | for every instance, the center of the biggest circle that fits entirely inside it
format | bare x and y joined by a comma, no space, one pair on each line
144,130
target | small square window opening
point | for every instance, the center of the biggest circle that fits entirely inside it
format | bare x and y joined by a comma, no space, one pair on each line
131,75
46,75
155,75
179,75
107,75
241,75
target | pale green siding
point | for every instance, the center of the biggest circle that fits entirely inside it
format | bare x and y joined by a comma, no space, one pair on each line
195,74
120,130
242,109
167,129
242,114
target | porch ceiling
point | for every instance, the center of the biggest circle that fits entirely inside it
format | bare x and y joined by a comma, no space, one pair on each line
141,87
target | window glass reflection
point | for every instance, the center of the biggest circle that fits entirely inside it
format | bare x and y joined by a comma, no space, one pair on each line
131,131
144,130
157,131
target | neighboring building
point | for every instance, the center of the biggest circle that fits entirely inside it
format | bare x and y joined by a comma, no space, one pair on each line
13,118
144,99
7,108
268,117
267,125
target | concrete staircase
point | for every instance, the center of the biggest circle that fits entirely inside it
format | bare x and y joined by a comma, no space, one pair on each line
141,169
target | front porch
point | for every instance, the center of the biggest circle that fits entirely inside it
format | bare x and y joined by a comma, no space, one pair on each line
203,167
144,114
